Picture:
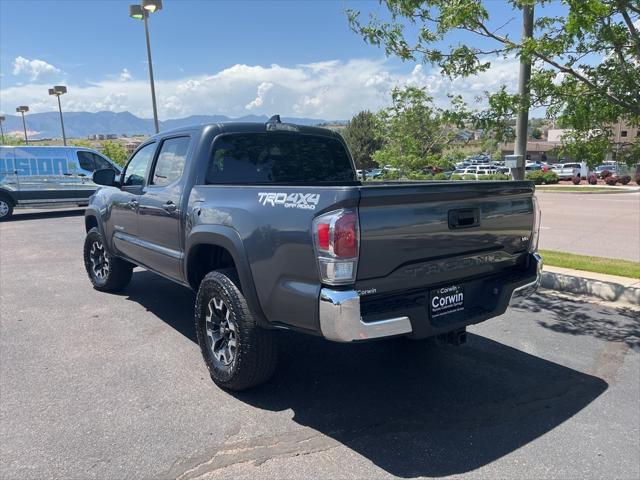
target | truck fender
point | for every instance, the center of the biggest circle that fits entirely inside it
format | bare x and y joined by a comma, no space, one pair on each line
229,239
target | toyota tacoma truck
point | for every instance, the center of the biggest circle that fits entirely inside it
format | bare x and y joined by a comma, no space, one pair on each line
270,226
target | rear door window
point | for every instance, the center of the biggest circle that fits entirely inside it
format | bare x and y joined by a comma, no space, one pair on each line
278,158
171,159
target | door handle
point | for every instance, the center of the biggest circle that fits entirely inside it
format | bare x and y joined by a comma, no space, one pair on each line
169,206
67,174
133,203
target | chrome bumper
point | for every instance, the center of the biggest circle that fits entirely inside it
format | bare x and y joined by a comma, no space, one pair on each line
340,319
529,288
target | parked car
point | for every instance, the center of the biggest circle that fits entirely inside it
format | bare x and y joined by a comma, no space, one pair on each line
373,173
566,171
52,176
609,167
268,223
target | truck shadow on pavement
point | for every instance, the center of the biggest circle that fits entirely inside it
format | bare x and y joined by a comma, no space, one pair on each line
44,214
570,316
412,408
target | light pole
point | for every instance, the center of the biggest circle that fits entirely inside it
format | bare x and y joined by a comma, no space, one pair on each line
21,109
57,91
141,12
2,129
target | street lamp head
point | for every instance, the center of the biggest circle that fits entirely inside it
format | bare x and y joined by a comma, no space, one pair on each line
22,109
152,5
136,11
52,91
60,89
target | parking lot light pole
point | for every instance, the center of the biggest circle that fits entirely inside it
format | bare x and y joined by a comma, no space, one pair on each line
2,129
141,12
57,91
22,109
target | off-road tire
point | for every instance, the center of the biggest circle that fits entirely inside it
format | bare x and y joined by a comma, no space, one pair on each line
254,358
117,273
6,208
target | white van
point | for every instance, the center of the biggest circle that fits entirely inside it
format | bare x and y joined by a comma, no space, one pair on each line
56,176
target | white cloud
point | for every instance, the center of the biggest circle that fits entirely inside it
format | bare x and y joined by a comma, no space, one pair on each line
329,89
263,88
125,75
35,69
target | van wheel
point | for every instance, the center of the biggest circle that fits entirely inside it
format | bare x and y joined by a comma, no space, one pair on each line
238,352
6,208
106,272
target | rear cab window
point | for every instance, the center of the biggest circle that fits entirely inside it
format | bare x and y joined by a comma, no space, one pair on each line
278,157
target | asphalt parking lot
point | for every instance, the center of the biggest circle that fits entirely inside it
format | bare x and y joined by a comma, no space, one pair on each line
96,385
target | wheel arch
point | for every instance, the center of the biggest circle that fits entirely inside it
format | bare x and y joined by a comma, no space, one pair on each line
215,247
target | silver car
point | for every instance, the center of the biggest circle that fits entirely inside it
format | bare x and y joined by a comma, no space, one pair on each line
55,176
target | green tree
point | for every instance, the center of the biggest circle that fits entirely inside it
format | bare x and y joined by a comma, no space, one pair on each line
536,133
415,131
10,140
115,151
362,137
586,63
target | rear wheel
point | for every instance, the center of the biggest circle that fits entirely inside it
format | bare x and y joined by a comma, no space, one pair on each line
6,208
106,272
238,352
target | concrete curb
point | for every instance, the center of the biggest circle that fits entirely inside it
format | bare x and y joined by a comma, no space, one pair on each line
610,291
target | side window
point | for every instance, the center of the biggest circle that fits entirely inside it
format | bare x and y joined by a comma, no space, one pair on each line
101,163
137,166
86,161
170,161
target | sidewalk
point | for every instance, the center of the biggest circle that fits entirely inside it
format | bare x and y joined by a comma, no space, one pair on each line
607,287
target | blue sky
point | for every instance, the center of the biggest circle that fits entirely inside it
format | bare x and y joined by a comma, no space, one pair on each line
293,57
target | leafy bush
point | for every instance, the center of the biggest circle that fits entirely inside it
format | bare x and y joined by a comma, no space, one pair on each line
610,180
576,179
469,176
536,176
550,177
419,176
456,176
440,176
624,179
605,174
592,179
390,175
500,176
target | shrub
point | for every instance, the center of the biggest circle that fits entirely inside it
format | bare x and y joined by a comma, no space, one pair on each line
605,174
536,176
610,180
500,176
625,179
456,176
550,177
576,180
419,176
440,176
592,179
469,176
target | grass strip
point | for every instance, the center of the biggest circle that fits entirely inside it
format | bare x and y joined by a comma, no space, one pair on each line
609,266
582,189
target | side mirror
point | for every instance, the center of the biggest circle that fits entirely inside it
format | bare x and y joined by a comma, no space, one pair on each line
105,177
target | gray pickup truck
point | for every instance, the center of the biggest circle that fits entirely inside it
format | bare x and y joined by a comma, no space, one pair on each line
268,223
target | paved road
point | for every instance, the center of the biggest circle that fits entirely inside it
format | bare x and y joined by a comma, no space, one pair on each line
106,386
603,225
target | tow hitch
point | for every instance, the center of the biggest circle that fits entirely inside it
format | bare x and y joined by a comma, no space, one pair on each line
457,337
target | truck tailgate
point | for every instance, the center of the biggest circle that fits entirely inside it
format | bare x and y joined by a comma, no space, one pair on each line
405,228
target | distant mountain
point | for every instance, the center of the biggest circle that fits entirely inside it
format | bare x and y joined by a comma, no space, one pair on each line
81,124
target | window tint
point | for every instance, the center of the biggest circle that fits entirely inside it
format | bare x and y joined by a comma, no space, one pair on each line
170,161
134,174
86,161
101,163
279,157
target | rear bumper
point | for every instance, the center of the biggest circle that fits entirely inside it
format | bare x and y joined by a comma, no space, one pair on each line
341,318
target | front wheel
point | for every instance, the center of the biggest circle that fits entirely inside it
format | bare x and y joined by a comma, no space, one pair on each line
106,272
238,352
6,208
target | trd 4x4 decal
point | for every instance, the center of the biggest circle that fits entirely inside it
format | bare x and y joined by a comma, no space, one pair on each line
305,201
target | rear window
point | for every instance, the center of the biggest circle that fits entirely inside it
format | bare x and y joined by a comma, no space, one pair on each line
278,158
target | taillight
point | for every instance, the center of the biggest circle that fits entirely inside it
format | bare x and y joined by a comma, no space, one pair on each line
336,241
535,232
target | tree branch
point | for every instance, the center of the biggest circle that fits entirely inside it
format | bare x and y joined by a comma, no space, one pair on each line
631,27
